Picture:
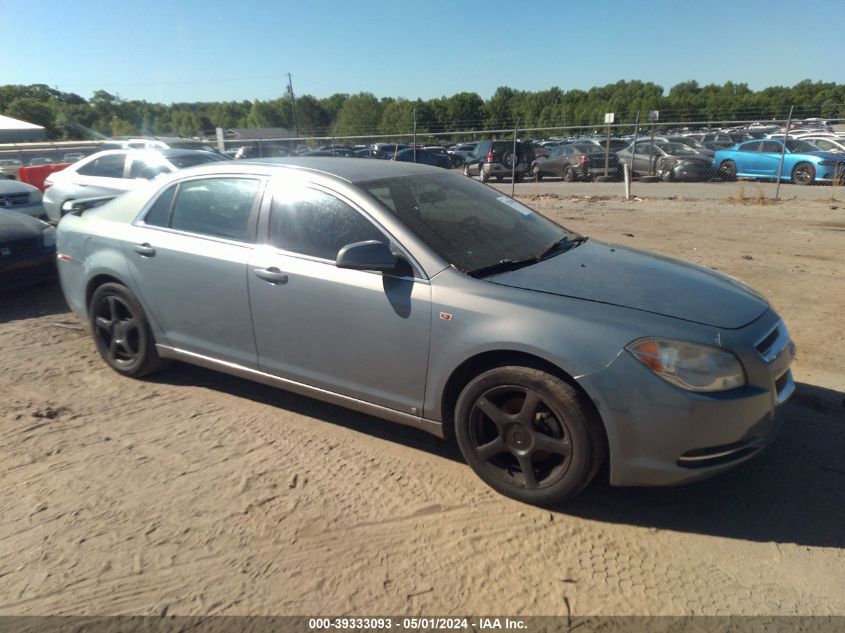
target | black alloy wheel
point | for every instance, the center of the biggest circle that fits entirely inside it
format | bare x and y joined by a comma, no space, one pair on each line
803,174
528,434
728,169
121,331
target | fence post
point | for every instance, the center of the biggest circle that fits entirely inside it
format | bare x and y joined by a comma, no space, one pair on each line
415,135
514,161
634,147
783,151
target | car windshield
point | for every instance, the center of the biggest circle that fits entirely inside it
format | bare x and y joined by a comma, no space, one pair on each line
469,225
800,146
677,149
181,161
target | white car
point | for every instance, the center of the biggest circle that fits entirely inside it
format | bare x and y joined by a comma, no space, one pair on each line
115,171
827,143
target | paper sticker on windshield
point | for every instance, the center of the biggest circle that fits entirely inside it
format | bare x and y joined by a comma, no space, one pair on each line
515,205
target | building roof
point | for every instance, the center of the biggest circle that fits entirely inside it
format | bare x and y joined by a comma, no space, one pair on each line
8,123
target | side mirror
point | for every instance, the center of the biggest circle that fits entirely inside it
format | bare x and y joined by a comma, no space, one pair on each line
369,255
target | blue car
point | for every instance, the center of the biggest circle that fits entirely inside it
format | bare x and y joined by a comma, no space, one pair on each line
424,157
803,163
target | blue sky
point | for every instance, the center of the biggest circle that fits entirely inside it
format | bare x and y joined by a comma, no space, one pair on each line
208,50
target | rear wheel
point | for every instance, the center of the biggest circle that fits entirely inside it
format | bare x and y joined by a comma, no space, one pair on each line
568,174
803,174
466,170
536,173
484,176
121,331
728,169
528,434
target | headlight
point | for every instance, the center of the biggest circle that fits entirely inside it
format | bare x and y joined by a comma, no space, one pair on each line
689,365
48,236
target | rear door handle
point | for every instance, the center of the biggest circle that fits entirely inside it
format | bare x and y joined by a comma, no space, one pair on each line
145,250
272,274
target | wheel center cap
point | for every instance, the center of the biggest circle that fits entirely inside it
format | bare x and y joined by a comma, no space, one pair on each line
519,437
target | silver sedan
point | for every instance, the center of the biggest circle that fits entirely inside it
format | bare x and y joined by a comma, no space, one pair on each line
431,300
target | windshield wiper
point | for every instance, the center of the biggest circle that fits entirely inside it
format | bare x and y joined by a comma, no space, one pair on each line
570,242
505,265
501,266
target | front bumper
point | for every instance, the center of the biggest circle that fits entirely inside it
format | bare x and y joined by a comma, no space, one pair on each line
660,434
28,270
34,209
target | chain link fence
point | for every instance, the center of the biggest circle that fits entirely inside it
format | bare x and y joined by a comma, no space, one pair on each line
697,159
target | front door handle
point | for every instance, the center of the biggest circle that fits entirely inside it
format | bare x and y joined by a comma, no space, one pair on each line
145,250
272,274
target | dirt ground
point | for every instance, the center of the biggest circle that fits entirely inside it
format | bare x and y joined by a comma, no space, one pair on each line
198,493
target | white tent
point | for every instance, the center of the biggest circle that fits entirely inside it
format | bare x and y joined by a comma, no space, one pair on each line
14,131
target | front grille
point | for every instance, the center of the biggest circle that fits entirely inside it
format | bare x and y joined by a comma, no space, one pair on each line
14,199
717,455
23,247
764,345
780,383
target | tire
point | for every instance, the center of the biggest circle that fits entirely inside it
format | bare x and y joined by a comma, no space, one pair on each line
803,174
568,174
528,435
121,331
466,170
518,177
728,169
536,173
482,175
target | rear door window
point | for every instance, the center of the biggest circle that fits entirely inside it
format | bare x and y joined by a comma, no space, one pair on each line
771,147
108,166
219,207
159,213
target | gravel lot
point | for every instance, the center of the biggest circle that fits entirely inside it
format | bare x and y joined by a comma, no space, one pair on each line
715,190
198,493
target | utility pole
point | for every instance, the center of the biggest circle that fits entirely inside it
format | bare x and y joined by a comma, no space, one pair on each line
415,134
293,103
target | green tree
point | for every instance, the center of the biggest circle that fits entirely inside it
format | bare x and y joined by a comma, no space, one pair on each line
33,111
359,116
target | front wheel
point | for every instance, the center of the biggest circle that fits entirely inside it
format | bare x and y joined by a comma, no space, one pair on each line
121,331
466,170
536,173
528,434
803,174
728,169
568,174
482,175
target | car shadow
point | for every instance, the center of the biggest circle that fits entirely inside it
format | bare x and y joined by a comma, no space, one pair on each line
41,299
794,492
191,375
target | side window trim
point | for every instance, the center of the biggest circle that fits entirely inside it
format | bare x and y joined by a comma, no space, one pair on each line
263,237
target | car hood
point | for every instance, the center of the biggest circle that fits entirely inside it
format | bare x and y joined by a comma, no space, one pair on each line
17,226
630,278
15,186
